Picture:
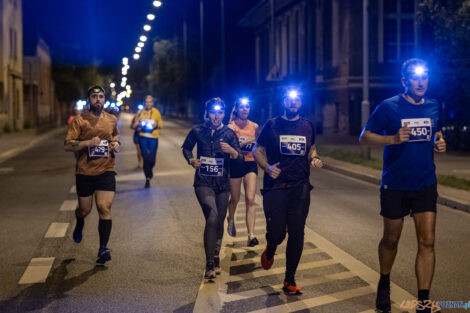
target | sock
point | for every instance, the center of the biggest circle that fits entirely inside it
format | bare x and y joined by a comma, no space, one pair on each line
384,281
423,294
251,236
80,220
104,229
270,253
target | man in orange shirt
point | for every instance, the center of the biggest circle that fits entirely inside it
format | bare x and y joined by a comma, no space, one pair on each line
95,136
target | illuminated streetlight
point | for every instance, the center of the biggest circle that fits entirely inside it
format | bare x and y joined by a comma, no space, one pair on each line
112,85
157,4
138,49
150,17
124,79
128,87
143,38
136,56
147,27
140,44
125,61
123,84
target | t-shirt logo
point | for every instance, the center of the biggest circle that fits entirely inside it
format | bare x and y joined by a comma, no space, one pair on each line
293,145
101,151
420,128
211,166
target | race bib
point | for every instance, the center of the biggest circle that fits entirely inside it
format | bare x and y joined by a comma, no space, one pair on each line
247,147
147,125
293,145
101,151
420,128
211,166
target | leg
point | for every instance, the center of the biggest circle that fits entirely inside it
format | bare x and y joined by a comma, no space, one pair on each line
104,200
299,199
85,204
249,182
425,224
139,156
145,148
235,188
388,245
274,205
206,198
221,201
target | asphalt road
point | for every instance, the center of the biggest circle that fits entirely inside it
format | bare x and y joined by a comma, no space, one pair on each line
157,251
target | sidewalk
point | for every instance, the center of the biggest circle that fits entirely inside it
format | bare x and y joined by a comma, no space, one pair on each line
18,142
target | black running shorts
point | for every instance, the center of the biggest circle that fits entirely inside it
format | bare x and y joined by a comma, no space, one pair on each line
87,185
240,169
397,204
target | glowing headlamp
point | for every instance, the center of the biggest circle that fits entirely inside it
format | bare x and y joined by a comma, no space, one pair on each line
217,107
244,101
293,94
419,70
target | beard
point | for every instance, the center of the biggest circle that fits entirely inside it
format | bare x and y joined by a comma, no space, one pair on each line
291,114
96,109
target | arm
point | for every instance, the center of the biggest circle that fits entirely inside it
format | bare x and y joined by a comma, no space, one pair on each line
235,150
315,161
135,120
369,138
259,152
159,121
439,142
188,145
72,142
115,143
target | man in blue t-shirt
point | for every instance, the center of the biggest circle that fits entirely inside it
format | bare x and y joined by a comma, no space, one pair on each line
285,150
407,125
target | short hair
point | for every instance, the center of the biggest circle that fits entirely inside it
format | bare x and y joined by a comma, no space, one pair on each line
94,89
405,72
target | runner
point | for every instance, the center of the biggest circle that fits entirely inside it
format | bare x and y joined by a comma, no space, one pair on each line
147,122
247,170
285,150
217,146
136,139
407,125
94,134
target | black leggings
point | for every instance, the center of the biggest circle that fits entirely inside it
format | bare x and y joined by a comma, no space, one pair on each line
286,211
214,206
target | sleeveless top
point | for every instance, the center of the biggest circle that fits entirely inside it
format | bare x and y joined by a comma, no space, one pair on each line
247,132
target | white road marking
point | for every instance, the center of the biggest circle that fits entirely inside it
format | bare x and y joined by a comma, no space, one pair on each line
69,205
276,288
37,271
317,301
256,261
6,170
57,230
73,189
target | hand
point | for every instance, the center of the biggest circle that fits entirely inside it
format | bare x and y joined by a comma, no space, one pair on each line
317,163
196,163
115,146
95,141
226,148
439,143
274,171
247,142
403,135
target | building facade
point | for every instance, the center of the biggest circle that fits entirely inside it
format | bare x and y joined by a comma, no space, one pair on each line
317,45
11,65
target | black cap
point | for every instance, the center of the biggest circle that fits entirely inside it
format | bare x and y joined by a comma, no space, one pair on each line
94,89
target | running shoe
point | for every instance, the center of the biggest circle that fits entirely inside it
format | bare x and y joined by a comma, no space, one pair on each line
291,288
77,233
210,271
382,302
147,183
104,255
252,242
231,230
217,265
265,263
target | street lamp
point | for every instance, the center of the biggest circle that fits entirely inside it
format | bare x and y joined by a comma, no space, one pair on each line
147,27
138,49
157,4
150,17
136,56
140,44
112,85
125,61
143,38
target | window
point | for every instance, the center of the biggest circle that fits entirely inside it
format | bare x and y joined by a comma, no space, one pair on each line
398,30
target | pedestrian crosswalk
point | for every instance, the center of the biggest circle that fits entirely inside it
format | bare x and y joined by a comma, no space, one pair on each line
331,279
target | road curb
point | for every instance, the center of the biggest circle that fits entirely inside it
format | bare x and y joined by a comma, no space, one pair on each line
15,151
444,200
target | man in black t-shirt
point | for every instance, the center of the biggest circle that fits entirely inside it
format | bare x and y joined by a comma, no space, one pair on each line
285,150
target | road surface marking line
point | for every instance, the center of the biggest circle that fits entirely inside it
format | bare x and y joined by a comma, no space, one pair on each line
281,270
282,256
5,170
73,189
398,294
69,205
259,248
277,288
37,271
57,230
318,301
